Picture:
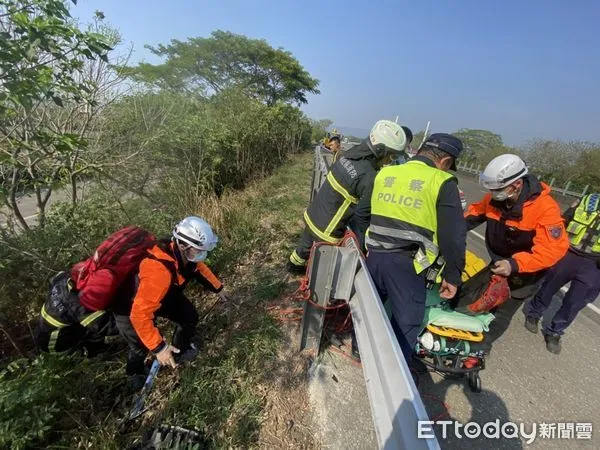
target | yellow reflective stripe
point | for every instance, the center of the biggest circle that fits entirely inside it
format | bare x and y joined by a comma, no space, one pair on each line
338,187
295,259
51,320
338,216
318,232
52,341
89,319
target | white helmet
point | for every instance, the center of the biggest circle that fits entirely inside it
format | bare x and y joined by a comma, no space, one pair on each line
502,171
195,238
387,136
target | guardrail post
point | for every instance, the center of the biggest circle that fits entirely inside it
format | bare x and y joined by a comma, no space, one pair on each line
478,169
552,181
585,189
566,189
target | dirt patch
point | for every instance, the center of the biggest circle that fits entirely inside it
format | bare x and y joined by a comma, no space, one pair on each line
288,419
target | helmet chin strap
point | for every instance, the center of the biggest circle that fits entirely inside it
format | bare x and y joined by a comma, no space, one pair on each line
511,200
178,255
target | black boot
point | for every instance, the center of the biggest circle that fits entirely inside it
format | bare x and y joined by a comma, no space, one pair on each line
531,323
553,343
187,355
295,270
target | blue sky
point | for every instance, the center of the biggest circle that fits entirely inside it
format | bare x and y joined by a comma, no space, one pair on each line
523,69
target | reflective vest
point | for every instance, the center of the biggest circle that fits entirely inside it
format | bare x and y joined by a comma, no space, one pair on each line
584,229
404,208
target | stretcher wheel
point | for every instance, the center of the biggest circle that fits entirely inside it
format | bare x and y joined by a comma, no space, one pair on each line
474,381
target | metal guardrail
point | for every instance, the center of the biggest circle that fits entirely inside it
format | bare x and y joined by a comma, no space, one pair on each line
322,162
340,272
564,190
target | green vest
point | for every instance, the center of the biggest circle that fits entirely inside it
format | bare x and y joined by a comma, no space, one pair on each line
584,229
403,208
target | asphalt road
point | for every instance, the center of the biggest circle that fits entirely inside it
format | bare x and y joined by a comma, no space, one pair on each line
28,203
474,192
522,381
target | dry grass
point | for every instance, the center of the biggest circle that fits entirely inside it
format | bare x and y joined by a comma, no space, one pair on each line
247,387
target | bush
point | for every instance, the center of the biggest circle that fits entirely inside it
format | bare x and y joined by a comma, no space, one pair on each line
71,234
36,397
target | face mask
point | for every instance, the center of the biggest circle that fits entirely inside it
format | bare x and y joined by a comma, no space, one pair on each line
194,255
199,256
500,195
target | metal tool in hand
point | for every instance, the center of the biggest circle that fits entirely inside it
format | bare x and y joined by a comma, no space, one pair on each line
138,406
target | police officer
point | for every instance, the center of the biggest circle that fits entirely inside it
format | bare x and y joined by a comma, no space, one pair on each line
346,192
416,215
580,266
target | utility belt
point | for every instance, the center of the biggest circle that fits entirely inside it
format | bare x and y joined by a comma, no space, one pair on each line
431,273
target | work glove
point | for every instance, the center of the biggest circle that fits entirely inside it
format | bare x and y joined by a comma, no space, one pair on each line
166,356
502,268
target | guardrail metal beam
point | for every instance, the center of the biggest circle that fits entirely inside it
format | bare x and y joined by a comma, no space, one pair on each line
341,273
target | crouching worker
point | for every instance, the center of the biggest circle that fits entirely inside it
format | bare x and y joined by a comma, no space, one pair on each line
525,234
66,325
156,289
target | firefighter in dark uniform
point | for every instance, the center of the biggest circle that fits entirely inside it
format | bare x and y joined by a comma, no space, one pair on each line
65,325
347,191
416,216
580,266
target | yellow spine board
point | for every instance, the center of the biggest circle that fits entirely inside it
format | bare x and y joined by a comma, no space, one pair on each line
456,334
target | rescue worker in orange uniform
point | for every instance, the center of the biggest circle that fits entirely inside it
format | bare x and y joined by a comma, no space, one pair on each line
157,290
525,233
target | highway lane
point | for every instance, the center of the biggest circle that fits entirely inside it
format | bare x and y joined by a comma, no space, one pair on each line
523,382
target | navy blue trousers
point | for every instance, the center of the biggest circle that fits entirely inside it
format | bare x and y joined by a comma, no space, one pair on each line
395,278
584,275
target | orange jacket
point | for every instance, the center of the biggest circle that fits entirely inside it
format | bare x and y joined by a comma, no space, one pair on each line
155,280
531,234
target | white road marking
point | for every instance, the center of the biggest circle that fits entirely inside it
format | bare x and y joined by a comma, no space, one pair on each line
562,289
480,236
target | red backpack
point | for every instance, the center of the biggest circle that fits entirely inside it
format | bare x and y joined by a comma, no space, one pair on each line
98,277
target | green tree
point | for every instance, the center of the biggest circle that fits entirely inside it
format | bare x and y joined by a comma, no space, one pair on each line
319,128
587,167
43,57
561,160
477,143
225,60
